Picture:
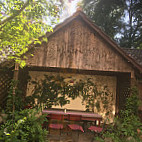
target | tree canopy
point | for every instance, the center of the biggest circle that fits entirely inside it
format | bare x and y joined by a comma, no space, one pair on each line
22,22
106,14
132,28
121,20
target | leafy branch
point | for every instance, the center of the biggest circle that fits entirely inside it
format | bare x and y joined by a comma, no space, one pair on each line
16,13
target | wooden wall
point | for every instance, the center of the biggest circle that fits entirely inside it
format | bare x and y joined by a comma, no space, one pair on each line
76,46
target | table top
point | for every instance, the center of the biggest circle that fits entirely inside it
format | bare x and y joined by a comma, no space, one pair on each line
71,112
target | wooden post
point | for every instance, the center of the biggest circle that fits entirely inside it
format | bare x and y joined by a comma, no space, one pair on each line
16,71
15,78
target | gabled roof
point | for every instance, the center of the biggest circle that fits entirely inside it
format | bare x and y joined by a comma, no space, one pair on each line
135,54
97,30
79,14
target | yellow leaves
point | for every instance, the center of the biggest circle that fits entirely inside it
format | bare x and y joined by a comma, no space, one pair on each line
50,29
22,64
37,42
25,118
7,134
28,25
45,39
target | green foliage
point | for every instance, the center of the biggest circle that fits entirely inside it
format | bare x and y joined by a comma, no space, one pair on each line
21,125
132,29
96,99
55,90
119,19
106,14
14,98
26,127
23,22
133,102
125,126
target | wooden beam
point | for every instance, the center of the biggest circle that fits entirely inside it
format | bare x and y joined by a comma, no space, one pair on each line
15,78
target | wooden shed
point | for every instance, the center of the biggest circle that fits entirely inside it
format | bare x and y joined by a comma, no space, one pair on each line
80,49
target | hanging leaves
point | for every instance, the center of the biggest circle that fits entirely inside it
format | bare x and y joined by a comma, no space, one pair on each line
23,22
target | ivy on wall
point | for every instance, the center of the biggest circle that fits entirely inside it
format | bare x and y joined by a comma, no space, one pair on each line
56,90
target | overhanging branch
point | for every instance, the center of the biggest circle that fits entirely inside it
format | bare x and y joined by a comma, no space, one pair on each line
14,15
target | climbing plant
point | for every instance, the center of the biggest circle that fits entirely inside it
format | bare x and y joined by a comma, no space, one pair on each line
97,99
22,124
127,126
53,90
56,90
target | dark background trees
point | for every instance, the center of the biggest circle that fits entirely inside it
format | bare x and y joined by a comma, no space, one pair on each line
121,20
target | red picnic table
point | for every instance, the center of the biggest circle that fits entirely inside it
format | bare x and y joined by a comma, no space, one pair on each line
73,115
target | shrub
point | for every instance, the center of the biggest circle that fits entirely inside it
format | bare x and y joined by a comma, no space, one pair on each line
126,125
25,127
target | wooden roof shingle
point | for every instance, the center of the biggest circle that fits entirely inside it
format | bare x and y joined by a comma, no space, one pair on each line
136,54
